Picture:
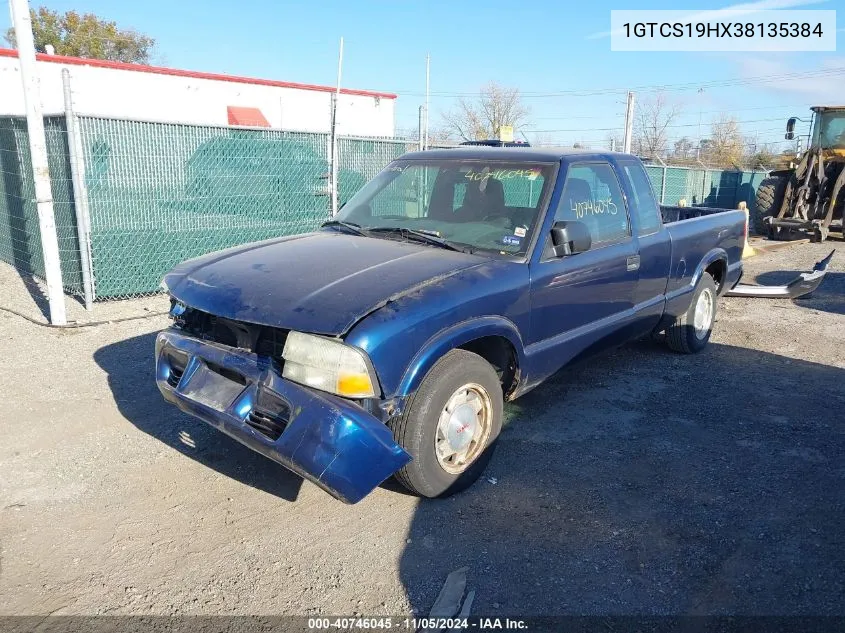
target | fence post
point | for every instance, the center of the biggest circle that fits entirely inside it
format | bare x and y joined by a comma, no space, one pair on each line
663,187
80,193
333,158
38,153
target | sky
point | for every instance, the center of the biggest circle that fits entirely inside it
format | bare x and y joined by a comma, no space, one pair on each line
553,51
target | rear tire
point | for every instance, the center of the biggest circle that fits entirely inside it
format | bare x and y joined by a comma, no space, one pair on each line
691,331
458,405
768,202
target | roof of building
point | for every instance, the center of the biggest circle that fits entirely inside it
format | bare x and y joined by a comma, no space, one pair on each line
192,74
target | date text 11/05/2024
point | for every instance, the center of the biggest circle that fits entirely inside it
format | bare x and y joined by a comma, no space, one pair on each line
414,624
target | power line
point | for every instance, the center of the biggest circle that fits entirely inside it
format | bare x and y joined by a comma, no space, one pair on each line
616,128
656,87
723,110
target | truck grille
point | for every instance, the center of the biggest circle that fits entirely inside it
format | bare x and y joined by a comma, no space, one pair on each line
258,339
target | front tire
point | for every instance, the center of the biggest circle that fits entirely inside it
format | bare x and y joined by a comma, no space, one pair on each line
691,331
450,425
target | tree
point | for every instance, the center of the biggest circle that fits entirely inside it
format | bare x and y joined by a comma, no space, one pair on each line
614,142
684,149
763,158
725,147
481,118
652,120
86,36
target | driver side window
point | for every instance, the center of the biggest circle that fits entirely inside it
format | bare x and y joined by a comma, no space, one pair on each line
591,194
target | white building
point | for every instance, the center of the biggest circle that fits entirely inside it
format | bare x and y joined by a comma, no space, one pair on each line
151,93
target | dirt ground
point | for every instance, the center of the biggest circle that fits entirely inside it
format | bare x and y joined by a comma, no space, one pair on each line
641,482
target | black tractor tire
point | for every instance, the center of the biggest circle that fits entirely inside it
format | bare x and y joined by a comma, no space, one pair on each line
416,429
768,201
682,336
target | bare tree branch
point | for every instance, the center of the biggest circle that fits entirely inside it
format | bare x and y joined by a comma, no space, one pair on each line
652,120
481,118
726,147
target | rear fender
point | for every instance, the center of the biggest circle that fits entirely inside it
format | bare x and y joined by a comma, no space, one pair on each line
678,301
462,333
715,255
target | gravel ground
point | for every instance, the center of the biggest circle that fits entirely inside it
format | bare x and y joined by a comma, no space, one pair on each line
641,482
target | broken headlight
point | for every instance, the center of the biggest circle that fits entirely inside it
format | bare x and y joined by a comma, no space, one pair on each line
328,365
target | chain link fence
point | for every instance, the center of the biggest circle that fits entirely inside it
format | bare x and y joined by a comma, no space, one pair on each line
704,187
155,194
20,237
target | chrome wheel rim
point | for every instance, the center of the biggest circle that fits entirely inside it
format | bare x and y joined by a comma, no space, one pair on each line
703,318
463,428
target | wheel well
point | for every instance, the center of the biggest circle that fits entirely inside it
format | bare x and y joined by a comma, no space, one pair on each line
717,271
499,352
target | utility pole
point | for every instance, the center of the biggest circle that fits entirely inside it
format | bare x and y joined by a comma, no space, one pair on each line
698,144
334,157
38,151
629,124
420,128
427,93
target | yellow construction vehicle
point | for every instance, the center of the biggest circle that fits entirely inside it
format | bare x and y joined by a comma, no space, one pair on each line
808,199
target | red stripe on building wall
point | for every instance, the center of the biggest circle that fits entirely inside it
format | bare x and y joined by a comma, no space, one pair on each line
192,74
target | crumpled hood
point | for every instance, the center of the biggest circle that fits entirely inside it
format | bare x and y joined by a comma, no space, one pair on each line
320,282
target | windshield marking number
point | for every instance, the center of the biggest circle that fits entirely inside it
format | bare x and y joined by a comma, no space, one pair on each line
593,207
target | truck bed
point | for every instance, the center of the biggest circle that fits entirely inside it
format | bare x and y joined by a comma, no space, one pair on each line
697,235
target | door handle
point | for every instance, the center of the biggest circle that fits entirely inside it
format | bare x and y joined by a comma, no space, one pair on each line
633,262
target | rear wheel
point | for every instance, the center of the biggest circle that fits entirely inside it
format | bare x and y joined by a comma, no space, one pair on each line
768,201
450,425
691,331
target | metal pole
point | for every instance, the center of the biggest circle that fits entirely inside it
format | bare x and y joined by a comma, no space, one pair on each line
334,157
427,94
420,126
629,124
663,187
80,194
38,150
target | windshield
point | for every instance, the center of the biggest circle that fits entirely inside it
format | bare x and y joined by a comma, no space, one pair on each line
830,130
480,205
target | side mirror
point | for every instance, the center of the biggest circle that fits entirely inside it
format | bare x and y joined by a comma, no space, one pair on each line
790,128
569,238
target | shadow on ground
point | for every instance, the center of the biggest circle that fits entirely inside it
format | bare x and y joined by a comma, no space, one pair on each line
651,483
639,483
130,365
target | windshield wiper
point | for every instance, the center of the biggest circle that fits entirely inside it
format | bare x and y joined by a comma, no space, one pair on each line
416,235
353,228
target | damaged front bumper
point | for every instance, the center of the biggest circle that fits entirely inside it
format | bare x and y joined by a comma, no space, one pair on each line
802,285
330,441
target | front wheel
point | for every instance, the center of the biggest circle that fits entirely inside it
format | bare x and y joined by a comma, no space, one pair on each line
450,425
691,331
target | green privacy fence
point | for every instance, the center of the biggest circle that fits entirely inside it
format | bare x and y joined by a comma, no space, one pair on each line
158,193
162,193
704,187
20,238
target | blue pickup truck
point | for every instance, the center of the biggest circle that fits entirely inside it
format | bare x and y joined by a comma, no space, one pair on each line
386,342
